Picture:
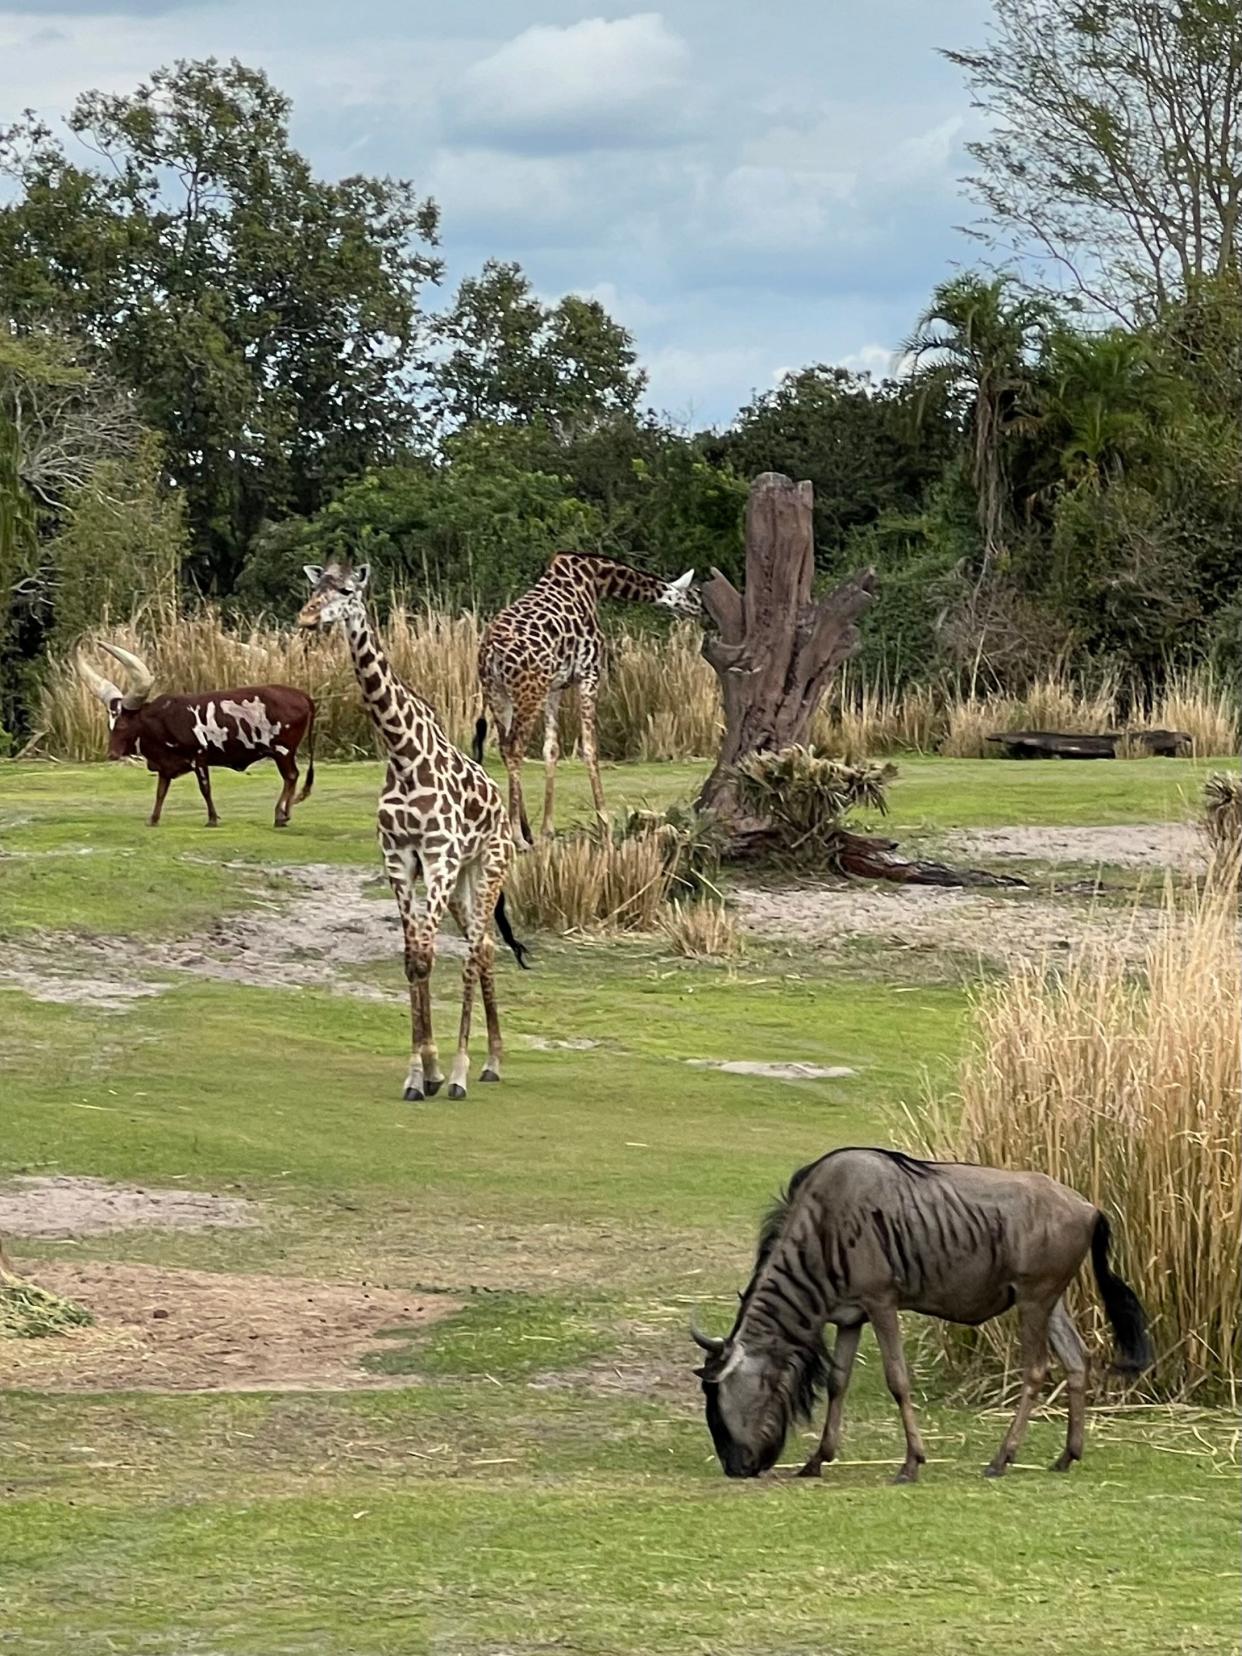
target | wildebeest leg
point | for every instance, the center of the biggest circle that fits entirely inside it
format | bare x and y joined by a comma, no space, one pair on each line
288,767
161,788
1033,1319
204,787
1072,1356
551,753
888,1337
840,1367
590,745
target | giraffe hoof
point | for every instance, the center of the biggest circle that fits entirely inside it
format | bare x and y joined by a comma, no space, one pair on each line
413,1095
810,1470
489,1075
432,1087
456,1090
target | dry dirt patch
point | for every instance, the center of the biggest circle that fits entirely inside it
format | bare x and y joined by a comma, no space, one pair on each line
62,1206
159,1330
1178,845
309,939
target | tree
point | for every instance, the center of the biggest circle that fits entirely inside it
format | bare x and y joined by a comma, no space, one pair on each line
505,357
1116,155
975,339
267,320
867,449
774,647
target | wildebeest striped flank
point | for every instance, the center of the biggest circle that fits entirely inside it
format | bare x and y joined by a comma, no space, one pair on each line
862,1234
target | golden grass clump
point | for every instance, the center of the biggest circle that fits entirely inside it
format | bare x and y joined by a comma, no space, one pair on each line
1222,812
659,699
594,881
805,795
1204,705
862,718
704,930
1125,1087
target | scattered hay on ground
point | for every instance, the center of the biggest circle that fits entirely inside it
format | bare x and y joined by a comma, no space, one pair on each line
60,1206
161,1330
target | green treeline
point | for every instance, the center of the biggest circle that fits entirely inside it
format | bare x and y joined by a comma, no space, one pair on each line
215,367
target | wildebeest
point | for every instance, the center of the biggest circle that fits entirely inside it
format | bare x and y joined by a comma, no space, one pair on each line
863,1234
176,734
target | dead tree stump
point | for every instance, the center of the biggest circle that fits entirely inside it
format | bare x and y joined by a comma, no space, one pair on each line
775,648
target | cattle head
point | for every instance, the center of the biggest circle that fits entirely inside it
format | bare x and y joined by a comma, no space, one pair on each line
124,707
681,595
336,592
747,1404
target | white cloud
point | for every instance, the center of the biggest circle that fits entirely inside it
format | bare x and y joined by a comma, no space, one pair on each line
880,361
597,82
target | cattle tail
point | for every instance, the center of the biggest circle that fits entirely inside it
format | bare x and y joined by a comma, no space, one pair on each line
863,1234
233,728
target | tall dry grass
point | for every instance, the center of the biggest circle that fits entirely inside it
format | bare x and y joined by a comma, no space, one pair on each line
595,881
659,699
1126,1087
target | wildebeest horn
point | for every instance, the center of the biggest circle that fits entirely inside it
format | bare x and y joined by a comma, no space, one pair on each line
100,686
707,1342
141,677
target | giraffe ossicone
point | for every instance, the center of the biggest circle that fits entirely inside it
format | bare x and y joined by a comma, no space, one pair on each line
441,823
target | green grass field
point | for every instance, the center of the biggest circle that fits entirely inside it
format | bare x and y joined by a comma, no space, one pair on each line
537,1477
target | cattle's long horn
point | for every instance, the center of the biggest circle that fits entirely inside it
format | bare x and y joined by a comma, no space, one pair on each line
141,676
707,1342
102,687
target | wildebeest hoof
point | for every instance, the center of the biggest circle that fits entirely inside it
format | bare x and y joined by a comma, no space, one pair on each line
456,1090
433,1086
996,1469
413,1095
812,1469
489,1075
212,822
282,822
907,1475
1063,1462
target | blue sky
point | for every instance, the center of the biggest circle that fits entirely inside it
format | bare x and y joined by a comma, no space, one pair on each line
747,188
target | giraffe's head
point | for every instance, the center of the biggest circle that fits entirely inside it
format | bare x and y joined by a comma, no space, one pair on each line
681,595
336,592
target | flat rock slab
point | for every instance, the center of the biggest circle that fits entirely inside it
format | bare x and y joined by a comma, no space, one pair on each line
167,1330
774,1072
65,1206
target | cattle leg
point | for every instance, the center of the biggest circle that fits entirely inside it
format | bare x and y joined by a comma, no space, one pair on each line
840,1368
1033,1320
161,789
204,787
551,753
288,767
1072,1356
888,1336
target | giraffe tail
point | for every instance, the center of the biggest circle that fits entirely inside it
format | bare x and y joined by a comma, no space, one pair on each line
480,736
520,950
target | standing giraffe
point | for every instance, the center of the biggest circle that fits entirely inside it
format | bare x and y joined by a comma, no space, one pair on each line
441,818
550,638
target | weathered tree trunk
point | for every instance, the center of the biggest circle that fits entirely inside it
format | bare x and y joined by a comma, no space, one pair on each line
774,649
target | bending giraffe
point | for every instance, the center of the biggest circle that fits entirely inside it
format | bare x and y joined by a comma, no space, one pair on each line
546,640
440,819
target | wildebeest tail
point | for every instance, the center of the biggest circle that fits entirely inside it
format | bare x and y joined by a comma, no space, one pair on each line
1129,1320
506,931
310,755
480,736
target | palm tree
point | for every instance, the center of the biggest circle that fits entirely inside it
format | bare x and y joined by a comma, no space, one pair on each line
976,339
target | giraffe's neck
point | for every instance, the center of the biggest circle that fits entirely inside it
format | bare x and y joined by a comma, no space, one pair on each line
606,578
395,711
